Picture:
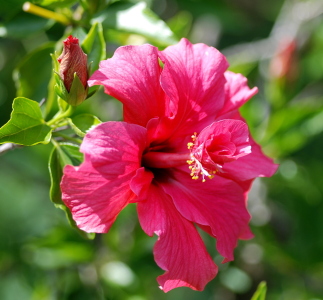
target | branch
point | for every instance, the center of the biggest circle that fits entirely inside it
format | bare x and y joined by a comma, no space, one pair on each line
8,146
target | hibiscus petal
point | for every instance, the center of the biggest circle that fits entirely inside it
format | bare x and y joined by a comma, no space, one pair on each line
253,165
132,76
218,203
115,148
140,183
193,80
99,189
93,200
237,92
230,134
179,250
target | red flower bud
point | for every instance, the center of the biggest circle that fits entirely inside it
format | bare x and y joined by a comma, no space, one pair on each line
285,63
72,60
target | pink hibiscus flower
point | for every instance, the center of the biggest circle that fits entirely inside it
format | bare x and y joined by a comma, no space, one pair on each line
183,154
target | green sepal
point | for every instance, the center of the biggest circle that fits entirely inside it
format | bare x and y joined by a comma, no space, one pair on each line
54,57
64,154
78,92
260,293
76,95
26,125
81,124
59,87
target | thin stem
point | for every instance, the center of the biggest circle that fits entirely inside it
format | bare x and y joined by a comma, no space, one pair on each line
61,116
45,13
54,143
67,137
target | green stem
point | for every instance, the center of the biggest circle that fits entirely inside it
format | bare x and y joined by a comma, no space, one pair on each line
69,138
61,115
45,13
55,143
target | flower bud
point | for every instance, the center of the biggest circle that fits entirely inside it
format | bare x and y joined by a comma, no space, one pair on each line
72,60
285,62
73,72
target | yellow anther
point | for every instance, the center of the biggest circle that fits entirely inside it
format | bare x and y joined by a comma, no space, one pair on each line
196,164
194,135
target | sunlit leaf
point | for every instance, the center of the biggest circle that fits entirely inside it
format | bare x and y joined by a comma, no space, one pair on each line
26,125
94,45
136,18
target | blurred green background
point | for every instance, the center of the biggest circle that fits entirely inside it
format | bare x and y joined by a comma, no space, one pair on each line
278,45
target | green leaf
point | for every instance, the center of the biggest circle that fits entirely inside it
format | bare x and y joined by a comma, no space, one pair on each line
92,6
9,9
79,33
56,173
82,123
26,125
260,293
55,62
136,18
72,152
94,45
50,105
34,72
59,87
63,154
24,25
